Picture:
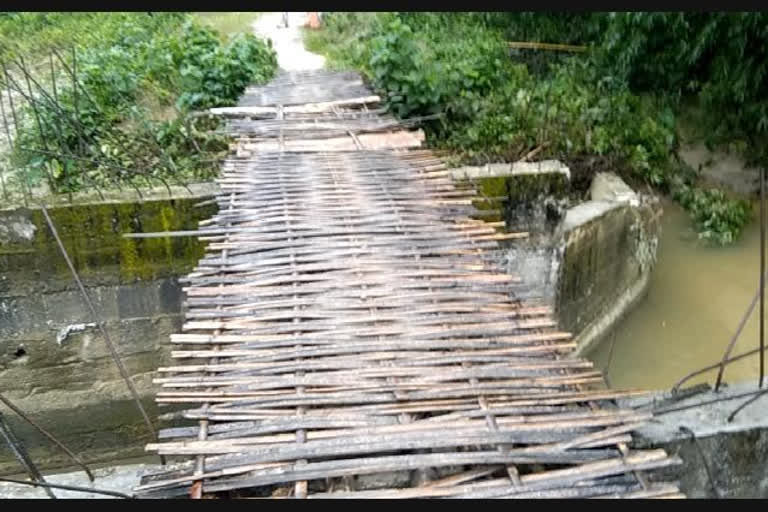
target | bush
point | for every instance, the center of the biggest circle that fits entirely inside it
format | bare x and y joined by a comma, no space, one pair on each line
212,74
718,218
619,101
128,120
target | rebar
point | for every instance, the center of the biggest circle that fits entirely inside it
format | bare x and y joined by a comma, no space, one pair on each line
659,412
67,487
734,338
36,114
47,434
762,277
95,319
26,188
713,366
18,450
752,400
62,115
695,441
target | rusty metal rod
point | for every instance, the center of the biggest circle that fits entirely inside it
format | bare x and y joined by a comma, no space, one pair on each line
762,276
16,127
51,102
659,412
713,366
95,319
745,404
43,135
24,191
735,337
695,440
21,454
74,89
67,487
47,434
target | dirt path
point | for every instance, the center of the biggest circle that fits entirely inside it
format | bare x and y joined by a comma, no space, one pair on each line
291,54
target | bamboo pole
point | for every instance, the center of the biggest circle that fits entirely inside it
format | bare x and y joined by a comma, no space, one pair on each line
529,45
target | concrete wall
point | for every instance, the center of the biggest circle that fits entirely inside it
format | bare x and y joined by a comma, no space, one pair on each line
591,260
608,252
734,453
53,364
531,198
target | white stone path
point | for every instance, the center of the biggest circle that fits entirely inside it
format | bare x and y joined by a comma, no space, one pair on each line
291,54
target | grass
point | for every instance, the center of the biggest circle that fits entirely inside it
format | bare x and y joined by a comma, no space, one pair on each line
337,48
228,23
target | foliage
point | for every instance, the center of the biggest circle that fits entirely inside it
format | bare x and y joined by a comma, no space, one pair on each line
345,39
718,218
421,75
718,58
548,27
36,33
620,100
128,120
215,74
228,23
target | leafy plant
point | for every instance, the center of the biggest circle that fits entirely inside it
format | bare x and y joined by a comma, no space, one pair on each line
718,218
128,120
619,101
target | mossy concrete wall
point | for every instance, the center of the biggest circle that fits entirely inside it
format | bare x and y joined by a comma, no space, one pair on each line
529,202
608,252
66,380
591,260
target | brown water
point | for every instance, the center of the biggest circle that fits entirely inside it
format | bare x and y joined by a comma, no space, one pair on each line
694,304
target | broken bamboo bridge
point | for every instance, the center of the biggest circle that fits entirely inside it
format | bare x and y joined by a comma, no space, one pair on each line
349,334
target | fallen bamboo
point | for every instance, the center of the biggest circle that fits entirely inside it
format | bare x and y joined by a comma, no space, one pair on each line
526,45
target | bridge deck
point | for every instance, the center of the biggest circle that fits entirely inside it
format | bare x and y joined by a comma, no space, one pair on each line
349,320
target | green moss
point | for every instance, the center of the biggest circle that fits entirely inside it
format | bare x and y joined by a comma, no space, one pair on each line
494,187
502,192
168,220
92,236
524,187
131,265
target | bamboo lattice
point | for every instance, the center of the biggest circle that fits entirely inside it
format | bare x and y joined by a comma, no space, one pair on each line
348,320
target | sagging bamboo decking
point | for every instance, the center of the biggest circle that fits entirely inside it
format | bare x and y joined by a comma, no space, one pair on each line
348,319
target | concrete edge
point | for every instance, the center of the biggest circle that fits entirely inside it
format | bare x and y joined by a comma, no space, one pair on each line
601,327
500,170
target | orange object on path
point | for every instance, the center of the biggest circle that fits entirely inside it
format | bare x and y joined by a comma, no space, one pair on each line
314,20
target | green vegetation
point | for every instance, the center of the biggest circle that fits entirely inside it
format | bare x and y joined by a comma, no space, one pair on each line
228,23
121,110
35,33
619,101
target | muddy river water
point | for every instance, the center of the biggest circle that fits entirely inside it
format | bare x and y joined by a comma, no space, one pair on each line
694,304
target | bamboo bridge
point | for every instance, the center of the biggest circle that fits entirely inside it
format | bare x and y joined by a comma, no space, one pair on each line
348,320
